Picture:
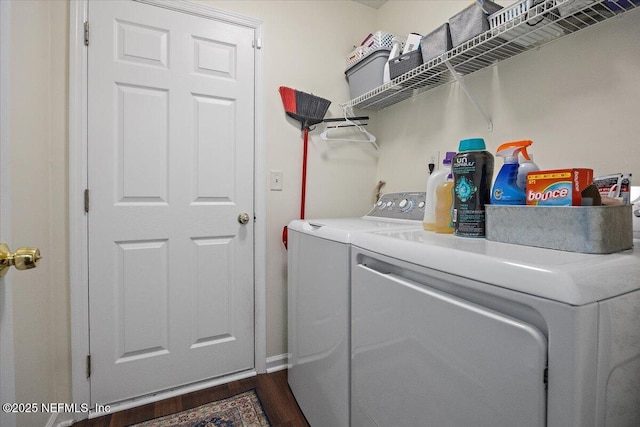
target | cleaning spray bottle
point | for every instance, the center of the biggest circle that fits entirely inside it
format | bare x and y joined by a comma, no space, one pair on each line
526,165
435,179
505,190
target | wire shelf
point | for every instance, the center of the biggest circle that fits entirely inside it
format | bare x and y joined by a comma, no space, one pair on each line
542,23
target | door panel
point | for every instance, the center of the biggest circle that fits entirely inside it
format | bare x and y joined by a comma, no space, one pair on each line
170,167
143,143
142,288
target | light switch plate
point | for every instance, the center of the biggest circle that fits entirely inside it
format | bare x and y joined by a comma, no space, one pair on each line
275,180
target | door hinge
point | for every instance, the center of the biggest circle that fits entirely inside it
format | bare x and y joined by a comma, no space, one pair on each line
86,33
88,365
546,378
86,200
257,43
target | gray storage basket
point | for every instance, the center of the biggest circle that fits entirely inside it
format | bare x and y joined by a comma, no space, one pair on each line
404,63
436,43
471,21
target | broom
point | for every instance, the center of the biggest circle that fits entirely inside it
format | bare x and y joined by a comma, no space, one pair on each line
309,110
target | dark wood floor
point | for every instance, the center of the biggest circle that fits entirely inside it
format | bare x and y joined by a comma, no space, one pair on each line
273,390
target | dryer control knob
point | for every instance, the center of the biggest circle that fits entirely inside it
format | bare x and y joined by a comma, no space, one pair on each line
407,205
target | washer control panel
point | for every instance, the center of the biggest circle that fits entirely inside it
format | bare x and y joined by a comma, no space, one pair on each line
400,206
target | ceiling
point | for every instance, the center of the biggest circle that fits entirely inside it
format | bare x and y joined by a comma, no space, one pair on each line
372,3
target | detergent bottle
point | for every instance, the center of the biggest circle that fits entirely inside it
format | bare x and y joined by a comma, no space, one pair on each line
435,179
444,206
472,171
505,189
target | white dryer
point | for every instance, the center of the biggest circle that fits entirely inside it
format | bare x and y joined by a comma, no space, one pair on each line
318,303
455,332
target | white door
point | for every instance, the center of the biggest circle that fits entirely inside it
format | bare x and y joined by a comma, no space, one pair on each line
170,168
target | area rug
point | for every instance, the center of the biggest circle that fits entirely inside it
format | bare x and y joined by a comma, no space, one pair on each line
242,410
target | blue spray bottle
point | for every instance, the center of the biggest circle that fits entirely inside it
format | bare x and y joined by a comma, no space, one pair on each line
505,188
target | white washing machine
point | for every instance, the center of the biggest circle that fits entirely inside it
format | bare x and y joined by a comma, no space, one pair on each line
455,332
318,303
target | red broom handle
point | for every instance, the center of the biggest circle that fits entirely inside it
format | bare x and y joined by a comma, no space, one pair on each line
304,174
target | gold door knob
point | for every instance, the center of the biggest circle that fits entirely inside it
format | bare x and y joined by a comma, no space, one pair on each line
22,259
243,218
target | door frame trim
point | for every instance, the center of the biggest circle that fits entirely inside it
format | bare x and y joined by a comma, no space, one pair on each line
7,361
78,173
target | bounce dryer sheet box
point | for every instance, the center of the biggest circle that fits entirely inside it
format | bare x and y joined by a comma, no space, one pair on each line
558,187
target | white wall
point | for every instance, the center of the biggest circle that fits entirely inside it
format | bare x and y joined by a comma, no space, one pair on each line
577,98
7,371
39,202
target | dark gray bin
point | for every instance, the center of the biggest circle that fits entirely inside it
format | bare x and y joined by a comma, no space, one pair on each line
471,21
368,73
436,43
404,63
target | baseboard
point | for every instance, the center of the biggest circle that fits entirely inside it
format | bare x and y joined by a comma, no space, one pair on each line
67,423
59,419
277,363
51,421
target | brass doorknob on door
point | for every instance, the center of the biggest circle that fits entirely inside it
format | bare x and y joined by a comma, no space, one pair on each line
22,259
243,218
